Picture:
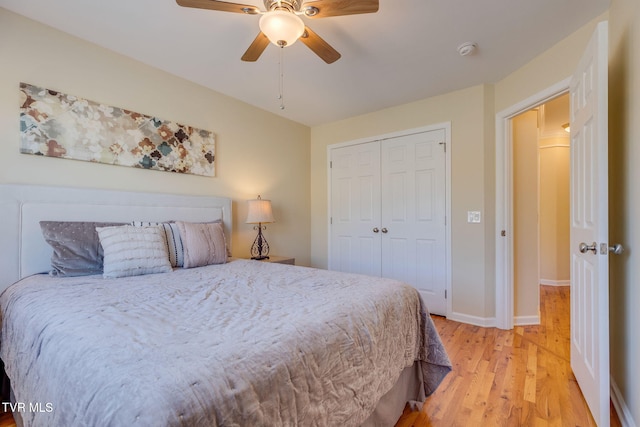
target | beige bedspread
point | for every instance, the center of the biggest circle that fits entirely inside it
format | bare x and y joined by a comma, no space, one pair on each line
239,344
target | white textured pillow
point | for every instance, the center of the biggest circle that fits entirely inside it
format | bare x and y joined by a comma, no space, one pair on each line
173,240
203,243
132,251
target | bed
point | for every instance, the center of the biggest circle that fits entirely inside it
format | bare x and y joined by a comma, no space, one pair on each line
234,343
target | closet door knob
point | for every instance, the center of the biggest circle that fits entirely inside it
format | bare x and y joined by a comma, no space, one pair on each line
375,230
384,230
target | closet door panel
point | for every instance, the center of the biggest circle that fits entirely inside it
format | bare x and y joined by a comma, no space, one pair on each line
413,212
425,185
426,275
355,209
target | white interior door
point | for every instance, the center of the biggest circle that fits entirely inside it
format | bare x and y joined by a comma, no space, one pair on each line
589,226
355,209
413,208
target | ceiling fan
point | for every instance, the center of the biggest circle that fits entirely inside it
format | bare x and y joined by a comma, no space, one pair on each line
281,25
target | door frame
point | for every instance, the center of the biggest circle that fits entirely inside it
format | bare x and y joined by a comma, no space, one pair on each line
504,199
446,126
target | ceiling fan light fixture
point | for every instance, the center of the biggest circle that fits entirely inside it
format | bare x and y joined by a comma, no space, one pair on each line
282,28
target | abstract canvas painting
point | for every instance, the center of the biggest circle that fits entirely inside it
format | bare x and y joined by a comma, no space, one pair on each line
55,124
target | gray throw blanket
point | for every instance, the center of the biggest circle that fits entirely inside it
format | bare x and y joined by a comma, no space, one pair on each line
244,343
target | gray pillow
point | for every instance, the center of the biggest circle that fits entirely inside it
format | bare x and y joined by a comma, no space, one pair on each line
76,247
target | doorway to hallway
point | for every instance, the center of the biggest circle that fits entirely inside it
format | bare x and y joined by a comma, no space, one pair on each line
541,204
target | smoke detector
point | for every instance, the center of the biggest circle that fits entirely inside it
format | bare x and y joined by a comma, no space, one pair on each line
467,48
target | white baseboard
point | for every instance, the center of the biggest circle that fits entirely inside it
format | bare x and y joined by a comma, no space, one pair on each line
490,322
555,282
626,419
526,320
485,322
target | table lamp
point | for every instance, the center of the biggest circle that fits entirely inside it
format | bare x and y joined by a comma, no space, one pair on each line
259,213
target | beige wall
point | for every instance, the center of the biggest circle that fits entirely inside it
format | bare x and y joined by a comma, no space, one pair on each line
256,152
545,70
525,217
554,210
489,202
466,110
624,204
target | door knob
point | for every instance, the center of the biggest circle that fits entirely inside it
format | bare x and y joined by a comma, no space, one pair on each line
375,230
616,249
584,248
384,230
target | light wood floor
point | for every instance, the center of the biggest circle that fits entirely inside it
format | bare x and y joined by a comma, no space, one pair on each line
6,420
520,377
503,378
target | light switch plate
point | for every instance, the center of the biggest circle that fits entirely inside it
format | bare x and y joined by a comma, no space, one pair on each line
473,217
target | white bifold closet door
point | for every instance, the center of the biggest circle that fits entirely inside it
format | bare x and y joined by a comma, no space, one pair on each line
388,212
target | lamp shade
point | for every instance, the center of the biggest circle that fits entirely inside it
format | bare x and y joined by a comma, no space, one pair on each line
259,211
282,28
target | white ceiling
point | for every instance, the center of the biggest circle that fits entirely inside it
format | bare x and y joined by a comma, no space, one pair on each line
405,52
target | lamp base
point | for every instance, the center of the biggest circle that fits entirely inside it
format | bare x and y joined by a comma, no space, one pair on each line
260,247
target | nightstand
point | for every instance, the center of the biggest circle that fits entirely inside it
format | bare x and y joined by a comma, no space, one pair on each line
280,260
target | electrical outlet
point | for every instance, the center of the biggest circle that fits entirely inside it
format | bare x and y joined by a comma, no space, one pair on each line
473,217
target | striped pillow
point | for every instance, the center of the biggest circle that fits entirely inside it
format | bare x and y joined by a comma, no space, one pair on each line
174,242
204,243
133,251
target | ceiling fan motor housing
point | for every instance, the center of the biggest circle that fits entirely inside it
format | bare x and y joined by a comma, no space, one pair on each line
290,5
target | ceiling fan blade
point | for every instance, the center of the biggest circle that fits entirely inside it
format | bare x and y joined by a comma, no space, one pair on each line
219,5
326,8
256,48
319,46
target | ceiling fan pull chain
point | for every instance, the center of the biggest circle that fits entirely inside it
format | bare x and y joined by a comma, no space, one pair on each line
281,77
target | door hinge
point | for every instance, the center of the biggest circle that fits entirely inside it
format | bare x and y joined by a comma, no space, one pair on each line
503,233
445,294
444,144
331,164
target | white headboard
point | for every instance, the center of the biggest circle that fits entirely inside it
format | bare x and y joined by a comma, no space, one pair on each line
23,250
